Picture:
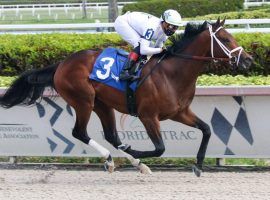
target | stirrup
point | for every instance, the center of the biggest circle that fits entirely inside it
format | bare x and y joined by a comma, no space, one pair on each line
124,75
134,78
128,77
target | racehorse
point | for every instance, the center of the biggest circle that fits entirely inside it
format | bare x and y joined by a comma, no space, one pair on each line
165,90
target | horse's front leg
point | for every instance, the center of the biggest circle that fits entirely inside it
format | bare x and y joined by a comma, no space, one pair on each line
189,118
152,127
107,118
144,169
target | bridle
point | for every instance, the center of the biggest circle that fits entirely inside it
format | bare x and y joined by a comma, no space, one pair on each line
231,59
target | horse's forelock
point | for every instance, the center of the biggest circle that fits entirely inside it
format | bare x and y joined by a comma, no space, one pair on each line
218,23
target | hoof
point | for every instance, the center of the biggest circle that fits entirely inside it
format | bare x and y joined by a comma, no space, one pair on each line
144,169
109,166
196,170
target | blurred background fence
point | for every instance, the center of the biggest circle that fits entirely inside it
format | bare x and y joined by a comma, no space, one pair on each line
93,16
235,26
60,12
90,11
250,3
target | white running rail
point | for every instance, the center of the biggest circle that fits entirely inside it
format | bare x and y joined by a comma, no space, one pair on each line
103,27
61,5
250,3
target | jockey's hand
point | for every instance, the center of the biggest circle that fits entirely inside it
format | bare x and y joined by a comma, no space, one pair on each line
166,49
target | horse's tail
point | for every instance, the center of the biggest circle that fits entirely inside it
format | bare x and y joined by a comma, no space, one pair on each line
28,87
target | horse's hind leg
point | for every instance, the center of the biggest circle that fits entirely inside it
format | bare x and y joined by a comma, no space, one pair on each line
189,118
83,112
107,118
81,98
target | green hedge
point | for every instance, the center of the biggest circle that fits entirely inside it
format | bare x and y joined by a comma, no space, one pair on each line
21,52
244,14
203,80
187,8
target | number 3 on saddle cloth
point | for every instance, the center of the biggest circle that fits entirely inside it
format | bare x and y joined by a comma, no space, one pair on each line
106,70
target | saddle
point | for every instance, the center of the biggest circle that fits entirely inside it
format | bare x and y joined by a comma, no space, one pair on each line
107,68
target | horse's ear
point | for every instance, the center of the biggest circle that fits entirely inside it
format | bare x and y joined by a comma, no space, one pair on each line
223,22
205,25
218,21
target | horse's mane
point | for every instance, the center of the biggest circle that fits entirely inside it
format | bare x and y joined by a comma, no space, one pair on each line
181,41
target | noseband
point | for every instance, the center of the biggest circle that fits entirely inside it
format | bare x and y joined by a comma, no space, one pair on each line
231,59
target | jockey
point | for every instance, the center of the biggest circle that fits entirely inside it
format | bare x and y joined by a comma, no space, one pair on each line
146,33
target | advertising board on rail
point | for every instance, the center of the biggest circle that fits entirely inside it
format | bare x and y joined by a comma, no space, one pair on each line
239,124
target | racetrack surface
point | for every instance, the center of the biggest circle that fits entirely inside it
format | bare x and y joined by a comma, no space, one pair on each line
55,184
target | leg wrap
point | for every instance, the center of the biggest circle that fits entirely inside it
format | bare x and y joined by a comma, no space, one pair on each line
103,151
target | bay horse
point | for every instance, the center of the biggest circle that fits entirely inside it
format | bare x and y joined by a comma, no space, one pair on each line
166,90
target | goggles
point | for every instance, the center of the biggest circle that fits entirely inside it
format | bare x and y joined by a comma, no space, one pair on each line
173,27
170,30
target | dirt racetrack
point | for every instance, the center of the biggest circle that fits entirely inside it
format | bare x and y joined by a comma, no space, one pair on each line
55,184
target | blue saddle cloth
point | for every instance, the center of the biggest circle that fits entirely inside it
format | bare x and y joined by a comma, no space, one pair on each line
108,66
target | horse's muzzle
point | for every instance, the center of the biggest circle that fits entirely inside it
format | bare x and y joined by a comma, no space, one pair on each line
245,62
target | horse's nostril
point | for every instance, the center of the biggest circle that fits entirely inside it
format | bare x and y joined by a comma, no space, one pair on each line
249,60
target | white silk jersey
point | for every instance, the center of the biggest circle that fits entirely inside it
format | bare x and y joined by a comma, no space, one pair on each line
141,28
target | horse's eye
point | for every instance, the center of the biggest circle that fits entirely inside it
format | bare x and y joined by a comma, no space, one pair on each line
225,40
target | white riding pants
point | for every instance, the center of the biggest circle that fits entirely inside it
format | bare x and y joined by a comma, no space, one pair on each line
128,33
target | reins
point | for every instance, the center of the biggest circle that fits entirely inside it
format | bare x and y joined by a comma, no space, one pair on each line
201,58
145,77
231,59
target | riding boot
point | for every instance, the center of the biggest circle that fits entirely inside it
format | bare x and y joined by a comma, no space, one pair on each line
127,72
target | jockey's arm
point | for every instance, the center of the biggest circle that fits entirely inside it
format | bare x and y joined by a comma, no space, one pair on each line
145,48
160,43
